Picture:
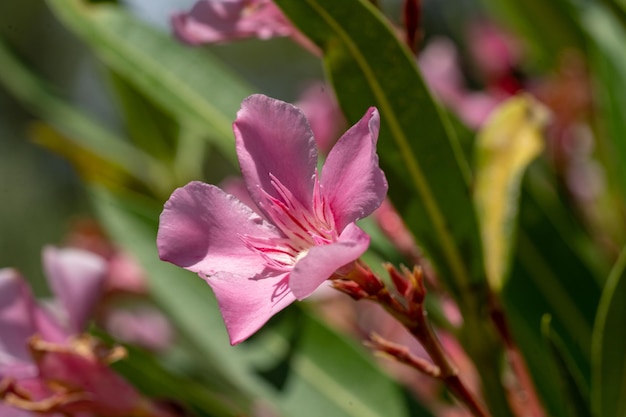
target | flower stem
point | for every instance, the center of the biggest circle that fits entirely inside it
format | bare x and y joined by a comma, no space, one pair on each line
412,315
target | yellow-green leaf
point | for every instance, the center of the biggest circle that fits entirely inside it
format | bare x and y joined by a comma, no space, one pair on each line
506,145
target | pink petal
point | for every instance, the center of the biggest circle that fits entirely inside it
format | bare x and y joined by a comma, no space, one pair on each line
248,303
274,137
79,367
211,21
16,320
76,278
8,411
440,66
351,179
322,261
20,319
200,230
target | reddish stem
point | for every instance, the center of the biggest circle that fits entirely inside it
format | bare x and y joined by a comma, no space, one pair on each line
412,15
413,317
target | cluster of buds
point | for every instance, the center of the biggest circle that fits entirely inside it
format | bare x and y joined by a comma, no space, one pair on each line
406,303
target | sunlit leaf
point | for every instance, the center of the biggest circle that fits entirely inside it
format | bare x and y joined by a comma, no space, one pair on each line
510,140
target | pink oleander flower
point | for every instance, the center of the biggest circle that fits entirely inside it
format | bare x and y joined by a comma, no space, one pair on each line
257,264
222,21
46,366
439,63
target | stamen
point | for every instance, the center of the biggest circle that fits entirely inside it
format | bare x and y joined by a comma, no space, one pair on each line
301,226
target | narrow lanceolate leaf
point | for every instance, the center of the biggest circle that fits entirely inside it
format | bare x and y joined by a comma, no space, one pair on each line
326,379
81,132
608,383
607,39
572,381
509,141
428,176
189,84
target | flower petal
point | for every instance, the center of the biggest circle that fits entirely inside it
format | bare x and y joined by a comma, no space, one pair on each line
20,318
200,230
211,21
322,261
352,182
248,303
76,277
274,137
16,319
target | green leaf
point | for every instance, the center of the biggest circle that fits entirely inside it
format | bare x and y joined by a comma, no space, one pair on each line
551,275
547,27
331,376
510,140
428,176
197,89
572,381
609,346
146,374
78,129
606,44
149,128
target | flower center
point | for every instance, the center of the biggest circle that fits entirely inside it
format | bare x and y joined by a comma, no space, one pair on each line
303,227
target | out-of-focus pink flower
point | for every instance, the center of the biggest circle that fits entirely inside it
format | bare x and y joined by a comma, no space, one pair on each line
440,67
45,367
125,282
494,51
222,21
394,228
259,265
319,105
143,325
124,274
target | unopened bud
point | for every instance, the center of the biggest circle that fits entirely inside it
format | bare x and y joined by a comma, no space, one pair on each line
366,279
351,288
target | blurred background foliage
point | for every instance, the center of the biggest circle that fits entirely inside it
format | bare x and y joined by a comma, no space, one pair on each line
133,114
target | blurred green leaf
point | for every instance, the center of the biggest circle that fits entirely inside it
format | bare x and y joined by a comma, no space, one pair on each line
428,176
606,48
525,325
572,382
149,128
547,27
608,385
551,274
78,130
90,166
146,374
333,377
194,87
509,141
